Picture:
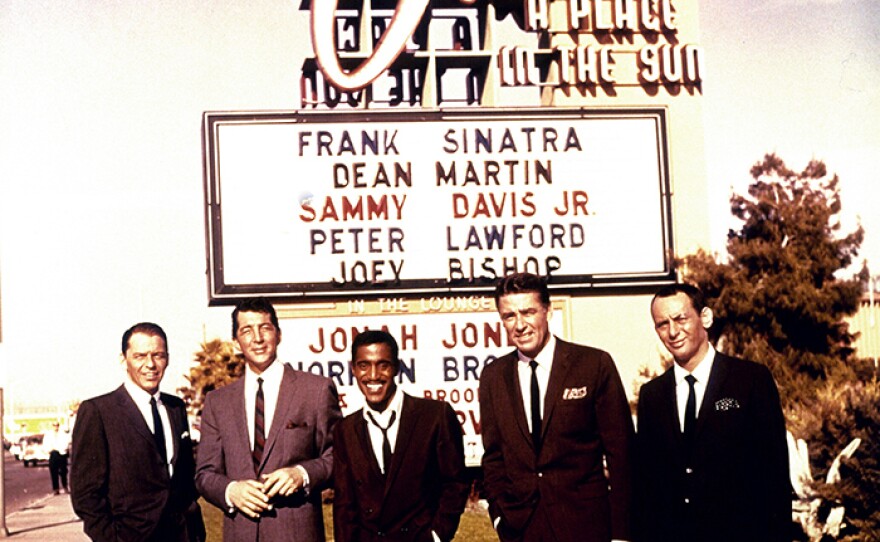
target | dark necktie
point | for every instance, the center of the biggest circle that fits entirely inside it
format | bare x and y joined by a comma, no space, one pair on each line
259,425
158,430
386,445
536,406
690,411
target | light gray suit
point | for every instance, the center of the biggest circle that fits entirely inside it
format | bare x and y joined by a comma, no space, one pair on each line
301,434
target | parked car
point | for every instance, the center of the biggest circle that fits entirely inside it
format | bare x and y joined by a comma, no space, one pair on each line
32,451
16,448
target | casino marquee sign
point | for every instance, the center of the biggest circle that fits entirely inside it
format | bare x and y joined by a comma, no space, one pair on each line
451,52
394,178
322,205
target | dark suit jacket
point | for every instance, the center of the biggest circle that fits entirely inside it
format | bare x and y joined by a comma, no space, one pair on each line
738,485
425,490
586,419
119,485
301,434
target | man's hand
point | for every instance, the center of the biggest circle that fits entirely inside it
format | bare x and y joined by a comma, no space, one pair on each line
248,496
284,482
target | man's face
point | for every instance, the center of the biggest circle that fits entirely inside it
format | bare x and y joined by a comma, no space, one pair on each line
258,339
681,328
526,321
374,369
146,359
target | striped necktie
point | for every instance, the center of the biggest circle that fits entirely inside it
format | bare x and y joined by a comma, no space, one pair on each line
259,429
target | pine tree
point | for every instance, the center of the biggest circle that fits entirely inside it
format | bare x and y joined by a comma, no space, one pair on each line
777,297
214,366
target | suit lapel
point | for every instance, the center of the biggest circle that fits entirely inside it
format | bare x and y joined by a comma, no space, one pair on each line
238,420
129,409
556,384
713,390
286,396
514,393
365,446
404,436
174,418
668,406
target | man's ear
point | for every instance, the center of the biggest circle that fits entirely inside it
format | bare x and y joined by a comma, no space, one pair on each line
707,317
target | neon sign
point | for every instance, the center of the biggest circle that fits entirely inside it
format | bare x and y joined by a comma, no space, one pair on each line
584,43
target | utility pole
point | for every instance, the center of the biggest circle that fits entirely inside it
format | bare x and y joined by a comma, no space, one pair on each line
4,532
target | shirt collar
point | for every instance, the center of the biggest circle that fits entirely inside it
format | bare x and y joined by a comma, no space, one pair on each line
271,376
544,357
138,394
701,372
395,405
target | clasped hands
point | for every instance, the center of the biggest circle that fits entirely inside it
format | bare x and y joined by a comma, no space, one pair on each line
252,497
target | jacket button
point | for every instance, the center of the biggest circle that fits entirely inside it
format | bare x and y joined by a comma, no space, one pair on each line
689,470
540,475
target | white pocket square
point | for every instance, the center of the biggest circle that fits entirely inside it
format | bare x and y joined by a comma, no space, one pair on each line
185,434
574,393
728,403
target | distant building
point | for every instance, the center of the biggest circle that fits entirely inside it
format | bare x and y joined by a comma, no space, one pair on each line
866,325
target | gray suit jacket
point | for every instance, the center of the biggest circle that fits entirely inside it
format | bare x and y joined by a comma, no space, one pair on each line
301,434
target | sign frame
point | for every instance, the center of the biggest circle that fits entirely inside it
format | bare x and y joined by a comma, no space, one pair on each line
223,292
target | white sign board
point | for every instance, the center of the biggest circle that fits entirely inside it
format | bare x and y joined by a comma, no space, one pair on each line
442,354
320,204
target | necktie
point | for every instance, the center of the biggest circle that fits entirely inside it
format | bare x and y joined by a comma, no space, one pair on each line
536,406
158,430
386,445
259,421
690,410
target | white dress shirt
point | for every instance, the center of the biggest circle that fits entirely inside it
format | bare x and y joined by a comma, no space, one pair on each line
57,441
142,401
542,371
272,377
382,418
701,373
271,388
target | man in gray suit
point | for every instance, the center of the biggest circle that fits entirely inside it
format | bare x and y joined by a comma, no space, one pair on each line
266,448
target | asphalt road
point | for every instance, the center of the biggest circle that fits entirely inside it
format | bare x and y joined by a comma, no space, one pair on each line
24,485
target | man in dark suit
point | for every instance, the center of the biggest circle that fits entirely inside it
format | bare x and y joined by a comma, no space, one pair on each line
554,417
266,448
712,457
399,461
132,462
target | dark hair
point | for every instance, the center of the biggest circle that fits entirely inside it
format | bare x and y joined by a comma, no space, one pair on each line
254,304
692,292
520,283
375,336
147,328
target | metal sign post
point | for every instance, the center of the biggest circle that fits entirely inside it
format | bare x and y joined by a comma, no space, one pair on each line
4,532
